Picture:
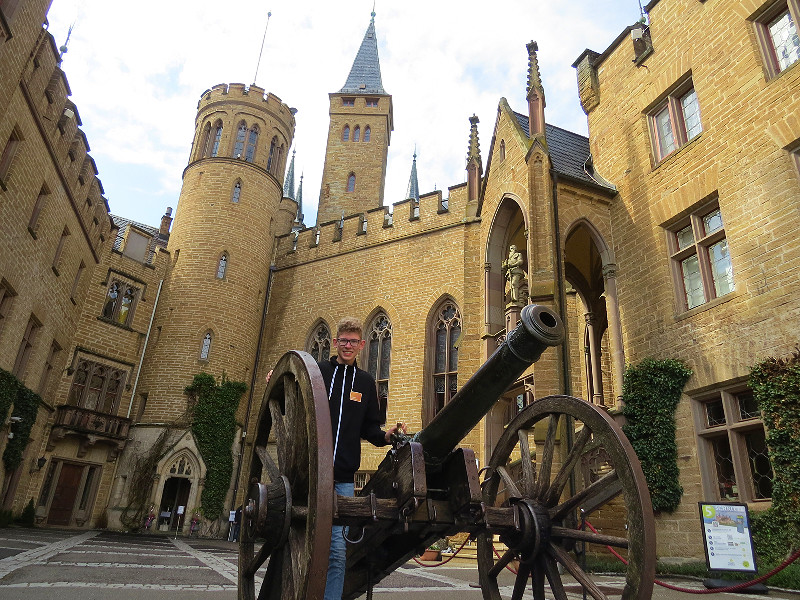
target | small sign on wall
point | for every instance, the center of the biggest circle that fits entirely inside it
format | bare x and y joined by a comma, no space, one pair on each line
727,536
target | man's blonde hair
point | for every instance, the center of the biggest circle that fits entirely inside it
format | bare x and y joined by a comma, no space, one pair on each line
349,324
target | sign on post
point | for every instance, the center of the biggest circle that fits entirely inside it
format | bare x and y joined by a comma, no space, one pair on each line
728,540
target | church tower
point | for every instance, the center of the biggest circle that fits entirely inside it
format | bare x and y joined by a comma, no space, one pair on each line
360,129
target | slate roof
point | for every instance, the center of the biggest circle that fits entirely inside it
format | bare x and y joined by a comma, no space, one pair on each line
365,74
569,153
157,241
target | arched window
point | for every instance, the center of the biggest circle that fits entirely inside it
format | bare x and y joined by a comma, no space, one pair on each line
346,133
379,355
205,347
252,140
444,334
205,142
319,344
241,133
272,158
367,132
217,137
237,191
351,183
357,134
222,265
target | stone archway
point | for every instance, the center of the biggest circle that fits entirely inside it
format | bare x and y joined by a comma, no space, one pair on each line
179,485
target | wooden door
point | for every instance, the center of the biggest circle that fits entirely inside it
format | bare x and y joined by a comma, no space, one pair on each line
65,493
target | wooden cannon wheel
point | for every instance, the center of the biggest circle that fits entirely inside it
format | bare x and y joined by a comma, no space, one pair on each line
558,459
289,504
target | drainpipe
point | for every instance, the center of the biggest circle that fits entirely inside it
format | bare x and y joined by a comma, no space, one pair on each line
562,296
144,348
253,381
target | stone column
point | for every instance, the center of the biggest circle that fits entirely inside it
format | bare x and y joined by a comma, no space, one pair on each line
614,332
594,358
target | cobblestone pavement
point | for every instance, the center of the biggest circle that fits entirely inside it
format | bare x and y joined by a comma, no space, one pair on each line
92,565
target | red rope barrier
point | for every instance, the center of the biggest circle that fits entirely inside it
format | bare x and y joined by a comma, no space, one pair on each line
731,588
445,561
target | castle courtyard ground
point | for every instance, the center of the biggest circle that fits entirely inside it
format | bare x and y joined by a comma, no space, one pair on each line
45,564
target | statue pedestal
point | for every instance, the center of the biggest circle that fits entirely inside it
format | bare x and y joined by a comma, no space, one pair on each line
513,311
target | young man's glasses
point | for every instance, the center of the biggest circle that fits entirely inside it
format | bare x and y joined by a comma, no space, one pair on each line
346,342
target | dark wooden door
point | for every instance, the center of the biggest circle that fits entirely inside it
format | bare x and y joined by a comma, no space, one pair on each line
65,493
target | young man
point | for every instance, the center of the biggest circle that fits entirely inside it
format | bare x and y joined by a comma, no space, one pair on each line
355,415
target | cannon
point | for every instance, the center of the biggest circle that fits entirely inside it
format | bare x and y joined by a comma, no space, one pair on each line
559,463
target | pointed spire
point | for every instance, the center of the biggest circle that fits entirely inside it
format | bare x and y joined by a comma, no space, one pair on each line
413,185
288,183
299,201
365,74
474,164
534,77
535,95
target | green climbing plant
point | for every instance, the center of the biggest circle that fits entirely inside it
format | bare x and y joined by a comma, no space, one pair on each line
776,386
651,391
26,406
214,429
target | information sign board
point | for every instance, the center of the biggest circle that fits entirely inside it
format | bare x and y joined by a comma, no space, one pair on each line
728,540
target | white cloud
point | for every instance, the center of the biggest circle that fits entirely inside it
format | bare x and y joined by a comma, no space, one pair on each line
137,71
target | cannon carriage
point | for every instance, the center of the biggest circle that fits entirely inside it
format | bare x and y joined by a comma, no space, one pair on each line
559,462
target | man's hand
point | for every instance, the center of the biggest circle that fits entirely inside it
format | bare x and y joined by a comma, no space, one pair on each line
394,431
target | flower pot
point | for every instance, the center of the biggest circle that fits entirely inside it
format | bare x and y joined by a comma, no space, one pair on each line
430,555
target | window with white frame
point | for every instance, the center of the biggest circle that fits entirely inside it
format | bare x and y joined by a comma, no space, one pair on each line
732,446
205,346
701,261
222,266
675,121
776,29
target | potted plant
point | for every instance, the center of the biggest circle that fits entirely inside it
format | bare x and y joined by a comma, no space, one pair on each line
434,551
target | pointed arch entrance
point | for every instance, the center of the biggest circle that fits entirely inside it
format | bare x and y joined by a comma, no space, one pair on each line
596,351
179,487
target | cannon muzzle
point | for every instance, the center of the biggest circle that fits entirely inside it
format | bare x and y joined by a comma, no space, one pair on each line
539,328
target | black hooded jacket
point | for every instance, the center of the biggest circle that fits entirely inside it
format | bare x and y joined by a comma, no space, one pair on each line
355,414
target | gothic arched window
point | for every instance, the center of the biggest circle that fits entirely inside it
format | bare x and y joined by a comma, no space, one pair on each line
237,191
217,137
367,132
205,346
272,158
222,266
205,142
240,135
319,344
357,134
346,133
351,183
444,333
379,356
252,141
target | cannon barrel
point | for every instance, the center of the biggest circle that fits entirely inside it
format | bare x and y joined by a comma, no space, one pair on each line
538,329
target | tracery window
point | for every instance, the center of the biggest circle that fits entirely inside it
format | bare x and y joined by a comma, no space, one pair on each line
357,134
120,300
181,467
346,133
222,266
238,147
96,386
252,141
367,133
237,191
272,159
205,141
445,333
319,345
351,183
379,355
217,137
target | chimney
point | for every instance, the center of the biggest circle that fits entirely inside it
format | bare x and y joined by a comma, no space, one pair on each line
166,223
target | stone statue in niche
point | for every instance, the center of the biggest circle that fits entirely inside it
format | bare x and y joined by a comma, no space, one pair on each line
517,288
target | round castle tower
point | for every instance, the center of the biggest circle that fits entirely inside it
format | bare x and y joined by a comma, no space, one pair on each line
230,208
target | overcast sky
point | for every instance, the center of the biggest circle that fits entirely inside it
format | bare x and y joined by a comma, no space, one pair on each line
137,70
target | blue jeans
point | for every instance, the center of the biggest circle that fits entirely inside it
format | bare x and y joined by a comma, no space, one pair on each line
337,560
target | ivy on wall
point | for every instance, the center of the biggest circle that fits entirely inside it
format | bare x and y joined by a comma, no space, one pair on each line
214,429
776,385
651,392
26,405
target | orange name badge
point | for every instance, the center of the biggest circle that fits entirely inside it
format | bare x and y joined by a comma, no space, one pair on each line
355,396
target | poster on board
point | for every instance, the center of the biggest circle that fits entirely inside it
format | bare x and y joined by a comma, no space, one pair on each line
728,541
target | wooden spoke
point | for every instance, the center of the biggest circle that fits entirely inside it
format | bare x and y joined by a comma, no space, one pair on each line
521,582
528,471
502,563
554,578
589,537
557,486
608,487
510,485
538,579
266,461
547,455
575,570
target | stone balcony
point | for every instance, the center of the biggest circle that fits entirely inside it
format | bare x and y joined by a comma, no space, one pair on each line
90,428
